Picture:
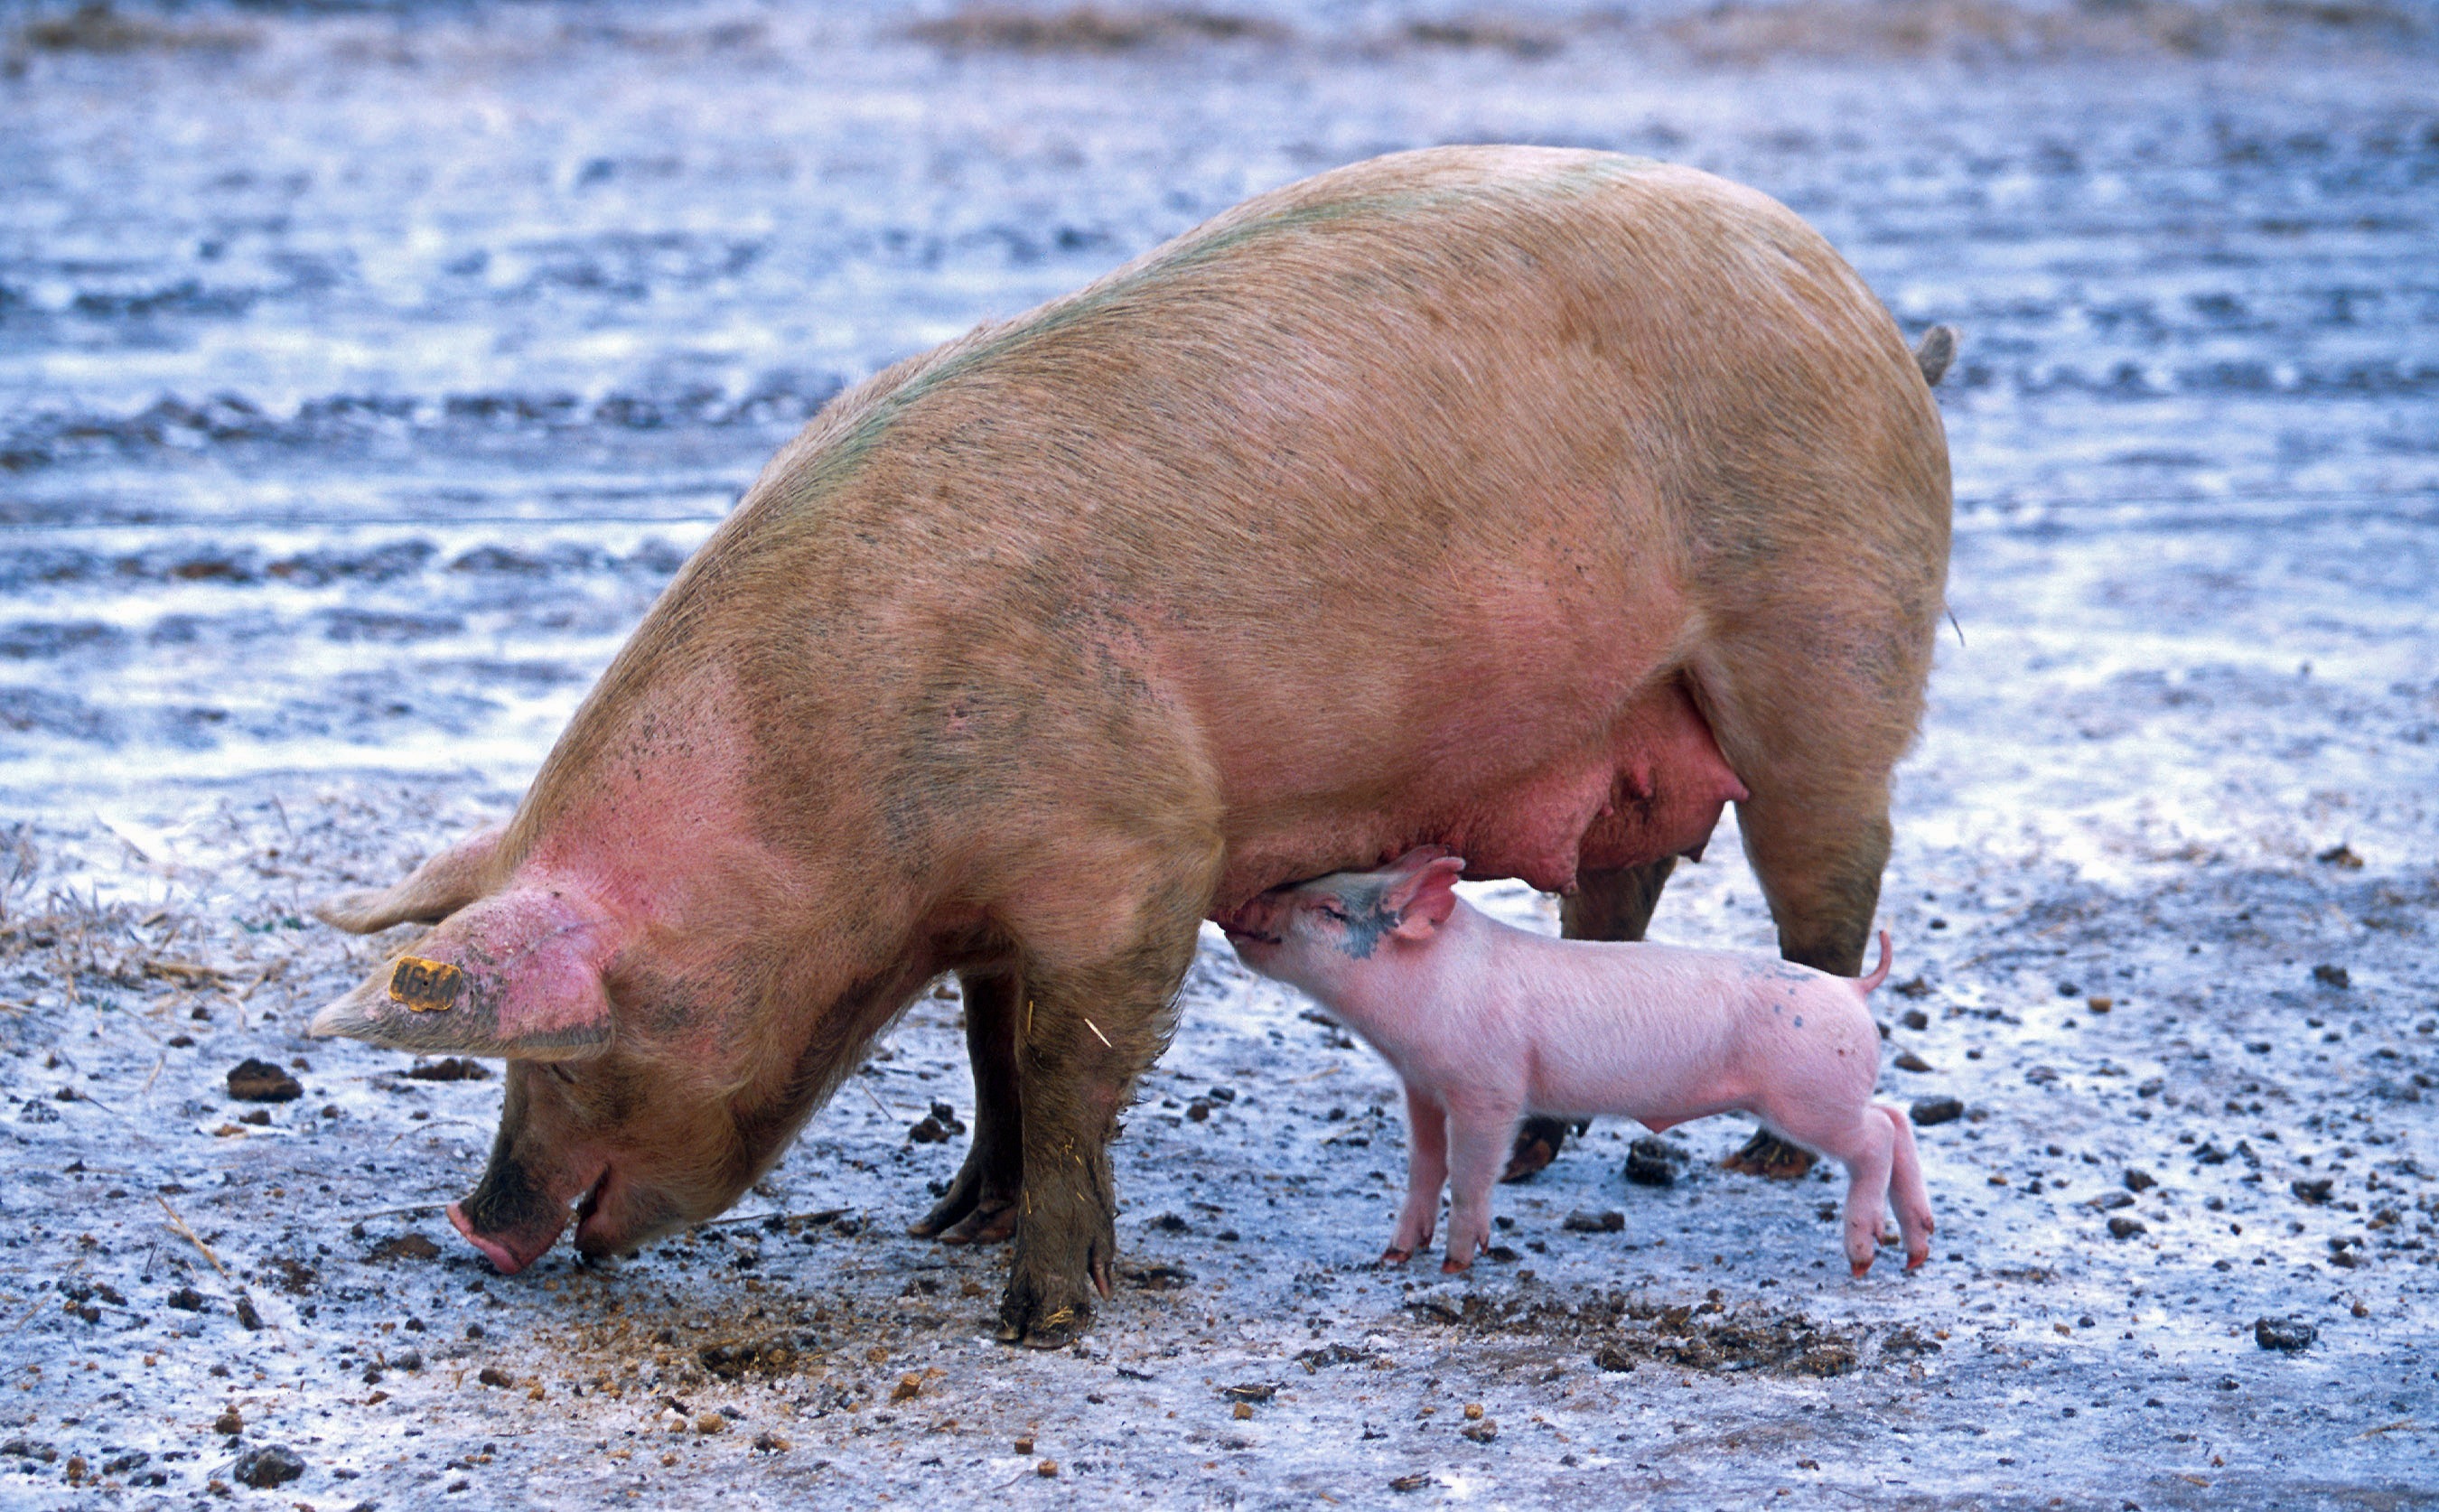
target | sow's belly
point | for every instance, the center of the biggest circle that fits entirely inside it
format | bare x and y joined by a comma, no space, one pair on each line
1653,788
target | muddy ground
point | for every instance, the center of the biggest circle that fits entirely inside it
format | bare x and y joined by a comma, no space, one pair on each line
363,374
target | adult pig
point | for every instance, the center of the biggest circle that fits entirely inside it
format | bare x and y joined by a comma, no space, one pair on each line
1486,1022
1533,503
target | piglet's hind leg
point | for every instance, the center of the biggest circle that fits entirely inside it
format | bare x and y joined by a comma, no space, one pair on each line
1426,1171
1866,1150
1907,1193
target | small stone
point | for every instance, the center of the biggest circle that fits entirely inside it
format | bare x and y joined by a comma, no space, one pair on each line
1250,1390
407,1360
2328,975
187,1299
1614,1359
2340,855
2100,1005
494,1376
1410,1483
1047,1469
1482,1432
1473,1412
1928,1112
1024,1445
767,1443
230,1421
261,1081
1915,1019
2286,1335
1584,1220
247,1318
1198,1110
2139,1181
268,1465
2122,1227
909,1387
2314,1192
2112,1201
1908,1060
1243,1411
710,1423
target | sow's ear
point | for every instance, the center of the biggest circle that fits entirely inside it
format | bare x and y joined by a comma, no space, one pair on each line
431,892
518,974
1424,899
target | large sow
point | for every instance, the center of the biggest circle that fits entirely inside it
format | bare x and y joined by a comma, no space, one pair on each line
1530,502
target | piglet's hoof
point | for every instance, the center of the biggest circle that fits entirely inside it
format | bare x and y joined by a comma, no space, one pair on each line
1395,1256
1766,1154
1455,1266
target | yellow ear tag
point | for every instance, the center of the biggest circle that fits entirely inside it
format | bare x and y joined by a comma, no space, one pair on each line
426,987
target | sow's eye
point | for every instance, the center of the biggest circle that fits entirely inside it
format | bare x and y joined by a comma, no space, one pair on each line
561,1072
1331,911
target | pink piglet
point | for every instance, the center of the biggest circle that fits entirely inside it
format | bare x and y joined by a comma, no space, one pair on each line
1485,1023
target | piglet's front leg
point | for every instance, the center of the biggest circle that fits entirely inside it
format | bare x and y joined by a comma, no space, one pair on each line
1478,1141
1426,1173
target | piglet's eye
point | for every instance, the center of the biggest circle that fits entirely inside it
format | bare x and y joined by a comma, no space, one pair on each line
561,1072
1333,911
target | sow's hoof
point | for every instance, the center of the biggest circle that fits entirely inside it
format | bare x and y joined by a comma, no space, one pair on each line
1046,1308
1028,1317
1537,1143
1766,1154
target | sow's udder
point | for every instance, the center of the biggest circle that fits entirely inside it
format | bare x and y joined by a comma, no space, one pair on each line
1654,790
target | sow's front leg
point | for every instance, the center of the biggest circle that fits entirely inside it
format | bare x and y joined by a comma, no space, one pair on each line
1083,1035
980,1207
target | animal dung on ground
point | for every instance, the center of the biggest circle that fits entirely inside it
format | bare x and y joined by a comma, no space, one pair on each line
261,1081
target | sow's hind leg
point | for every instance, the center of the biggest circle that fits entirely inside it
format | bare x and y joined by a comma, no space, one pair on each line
1814,733
1606,905
980,1207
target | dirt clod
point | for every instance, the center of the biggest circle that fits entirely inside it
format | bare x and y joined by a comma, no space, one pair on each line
269,1466
405,1246
2122,1227
2286,1335
1928,1113
260,1081
230,1421
453,1068
1651,1162
1584,1220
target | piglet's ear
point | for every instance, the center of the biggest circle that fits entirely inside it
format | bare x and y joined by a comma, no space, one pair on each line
1424,898
518,974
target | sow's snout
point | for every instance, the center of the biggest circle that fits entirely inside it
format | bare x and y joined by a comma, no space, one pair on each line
516,1212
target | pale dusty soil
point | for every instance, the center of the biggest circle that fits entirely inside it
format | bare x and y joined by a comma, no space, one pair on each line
362,376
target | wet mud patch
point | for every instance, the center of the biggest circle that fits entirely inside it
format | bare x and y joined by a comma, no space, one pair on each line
1619,1332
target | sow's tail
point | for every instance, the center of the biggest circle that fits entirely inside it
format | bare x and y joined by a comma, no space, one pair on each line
1864,985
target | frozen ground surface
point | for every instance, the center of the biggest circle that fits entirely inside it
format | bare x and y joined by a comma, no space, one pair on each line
362,376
